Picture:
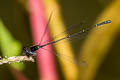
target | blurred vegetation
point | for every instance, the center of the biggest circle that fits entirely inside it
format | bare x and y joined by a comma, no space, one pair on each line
100,49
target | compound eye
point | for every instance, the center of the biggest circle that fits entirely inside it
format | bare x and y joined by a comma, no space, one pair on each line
25,51
24,48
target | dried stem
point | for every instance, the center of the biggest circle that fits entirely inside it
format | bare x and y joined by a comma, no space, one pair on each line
15,59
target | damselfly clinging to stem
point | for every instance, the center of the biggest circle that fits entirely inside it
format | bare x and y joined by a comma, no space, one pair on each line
31,51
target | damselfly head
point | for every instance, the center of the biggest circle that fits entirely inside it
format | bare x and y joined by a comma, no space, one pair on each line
25,51
24,48
28,51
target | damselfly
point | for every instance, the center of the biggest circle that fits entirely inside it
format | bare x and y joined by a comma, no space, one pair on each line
31,51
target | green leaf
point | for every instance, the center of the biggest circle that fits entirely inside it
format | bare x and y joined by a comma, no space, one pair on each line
9,46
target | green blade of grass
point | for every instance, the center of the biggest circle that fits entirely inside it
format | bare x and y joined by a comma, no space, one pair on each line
9,46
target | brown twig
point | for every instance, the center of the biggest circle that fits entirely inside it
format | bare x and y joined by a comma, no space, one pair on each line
15,59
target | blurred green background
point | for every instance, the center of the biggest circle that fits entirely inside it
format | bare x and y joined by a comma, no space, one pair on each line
15,18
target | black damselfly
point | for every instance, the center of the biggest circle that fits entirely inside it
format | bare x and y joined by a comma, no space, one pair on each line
31,51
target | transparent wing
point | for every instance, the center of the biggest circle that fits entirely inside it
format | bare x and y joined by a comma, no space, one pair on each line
67,58
67,30
46,27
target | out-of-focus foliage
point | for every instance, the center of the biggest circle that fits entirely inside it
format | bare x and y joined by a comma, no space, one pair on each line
67,58
97,44
9,46
100,41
